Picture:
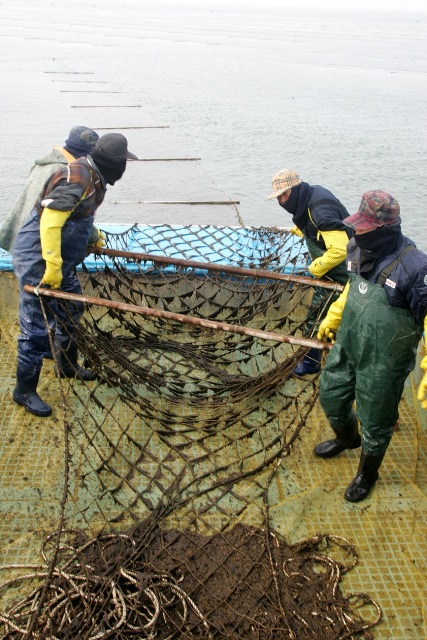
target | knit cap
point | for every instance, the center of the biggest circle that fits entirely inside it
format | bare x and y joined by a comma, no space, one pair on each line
81,140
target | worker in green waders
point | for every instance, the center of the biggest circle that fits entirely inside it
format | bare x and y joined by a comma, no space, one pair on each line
318,217
377,324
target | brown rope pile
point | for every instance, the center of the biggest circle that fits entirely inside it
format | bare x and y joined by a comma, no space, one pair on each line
155,584
183,431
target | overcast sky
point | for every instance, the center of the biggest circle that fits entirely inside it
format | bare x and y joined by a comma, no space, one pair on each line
379,5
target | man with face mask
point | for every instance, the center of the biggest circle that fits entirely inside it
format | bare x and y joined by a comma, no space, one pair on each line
378,321
48,248
318,217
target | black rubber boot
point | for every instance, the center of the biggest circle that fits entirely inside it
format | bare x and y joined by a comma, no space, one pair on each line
66,356
25,392
366,477
348,437
309,364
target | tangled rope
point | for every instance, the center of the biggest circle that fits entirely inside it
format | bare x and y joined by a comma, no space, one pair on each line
149,584
96,603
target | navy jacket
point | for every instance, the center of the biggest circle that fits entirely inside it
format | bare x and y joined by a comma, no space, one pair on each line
406,285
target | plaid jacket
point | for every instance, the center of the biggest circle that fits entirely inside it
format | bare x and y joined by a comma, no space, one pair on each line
76,187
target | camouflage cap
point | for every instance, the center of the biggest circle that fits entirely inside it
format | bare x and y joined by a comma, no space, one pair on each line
377,208
282,181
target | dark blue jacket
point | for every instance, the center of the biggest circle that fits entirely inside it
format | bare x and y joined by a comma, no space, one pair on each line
324,213
406,284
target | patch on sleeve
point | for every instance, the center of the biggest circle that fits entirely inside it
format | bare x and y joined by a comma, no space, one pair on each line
390,283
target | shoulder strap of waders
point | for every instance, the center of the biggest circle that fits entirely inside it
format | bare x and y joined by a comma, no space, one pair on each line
387,271
67,155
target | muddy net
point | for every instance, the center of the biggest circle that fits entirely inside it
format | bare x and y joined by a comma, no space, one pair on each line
170,453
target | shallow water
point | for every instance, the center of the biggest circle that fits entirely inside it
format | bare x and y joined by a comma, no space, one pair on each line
248,87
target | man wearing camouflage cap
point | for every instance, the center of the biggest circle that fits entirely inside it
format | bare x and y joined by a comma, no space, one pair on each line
80,142
377,324
318,217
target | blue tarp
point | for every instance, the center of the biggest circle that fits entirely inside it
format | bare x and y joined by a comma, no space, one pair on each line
245,247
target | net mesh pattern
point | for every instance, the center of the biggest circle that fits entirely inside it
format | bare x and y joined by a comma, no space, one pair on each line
171,451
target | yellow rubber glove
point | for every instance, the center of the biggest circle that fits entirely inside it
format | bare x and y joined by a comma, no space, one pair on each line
336,251
101,240
329,326
51,224
422,389
296,232
97,238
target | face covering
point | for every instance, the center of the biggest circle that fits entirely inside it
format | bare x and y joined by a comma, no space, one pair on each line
111,169
378,243
291,203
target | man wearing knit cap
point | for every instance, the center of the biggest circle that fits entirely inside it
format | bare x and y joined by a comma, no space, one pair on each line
378,322
318,217
48,248
80,142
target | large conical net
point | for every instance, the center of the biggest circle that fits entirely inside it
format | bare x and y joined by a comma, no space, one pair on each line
170,453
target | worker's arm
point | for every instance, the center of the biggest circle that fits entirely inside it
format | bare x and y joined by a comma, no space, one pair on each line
422,389
51,223
329,326
336,251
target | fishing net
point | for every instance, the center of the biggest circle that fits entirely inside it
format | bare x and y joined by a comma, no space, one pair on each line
169,455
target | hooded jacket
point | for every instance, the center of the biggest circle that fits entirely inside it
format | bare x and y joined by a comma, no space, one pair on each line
39,174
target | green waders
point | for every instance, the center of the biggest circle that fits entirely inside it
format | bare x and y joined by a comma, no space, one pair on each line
374,352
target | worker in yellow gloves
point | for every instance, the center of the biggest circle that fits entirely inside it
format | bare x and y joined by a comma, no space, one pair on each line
80,142
318,217
376,326
48,248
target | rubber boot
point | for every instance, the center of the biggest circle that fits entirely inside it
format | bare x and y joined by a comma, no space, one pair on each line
347,437
309,364
25,393
66,356
366,477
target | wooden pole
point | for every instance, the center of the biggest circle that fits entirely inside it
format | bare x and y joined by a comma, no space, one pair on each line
186,202
153,126
165,159
105,106
211,266
178,317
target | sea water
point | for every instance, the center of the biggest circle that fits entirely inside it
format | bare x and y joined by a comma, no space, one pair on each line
250,87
